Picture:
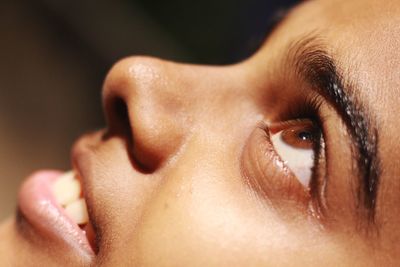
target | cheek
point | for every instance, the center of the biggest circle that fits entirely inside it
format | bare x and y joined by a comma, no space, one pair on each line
203,220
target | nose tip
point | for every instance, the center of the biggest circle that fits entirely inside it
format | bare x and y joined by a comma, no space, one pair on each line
141,102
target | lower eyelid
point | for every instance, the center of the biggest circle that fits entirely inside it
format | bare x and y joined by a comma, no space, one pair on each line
268,174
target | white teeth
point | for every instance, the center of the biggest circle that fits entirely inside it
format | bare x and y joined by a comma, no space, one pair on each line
66,188
77,211
67,191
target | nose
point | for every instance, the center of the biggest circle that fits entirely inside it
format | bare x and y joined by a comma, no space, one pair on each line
143,101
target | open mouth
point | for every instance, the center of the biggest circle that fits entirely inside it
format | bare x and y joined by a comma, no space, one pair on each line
54,204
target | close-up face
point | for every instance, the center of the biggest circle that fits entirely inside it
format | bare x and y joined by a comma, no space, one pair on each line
289,158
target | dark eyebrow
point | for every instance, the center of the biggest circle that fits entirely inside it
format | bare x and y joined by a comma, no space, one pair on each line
313,63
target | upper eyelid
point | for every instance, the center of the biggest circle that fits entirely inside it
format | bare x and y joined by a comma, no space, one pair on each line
279,126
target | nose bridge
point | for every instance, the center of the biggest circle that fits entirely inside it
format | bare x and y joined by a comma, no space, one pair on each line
156,102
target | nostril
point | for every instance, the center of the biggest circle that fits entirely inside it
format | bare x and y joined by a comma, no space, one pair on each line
121,114
119,124
120,108
118,117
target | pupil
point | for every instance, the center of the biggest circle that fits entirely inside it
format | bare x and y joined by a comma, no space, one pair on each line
305,136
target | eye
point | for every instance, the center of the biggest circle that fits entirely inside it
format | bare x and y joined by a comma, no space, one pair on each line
297,143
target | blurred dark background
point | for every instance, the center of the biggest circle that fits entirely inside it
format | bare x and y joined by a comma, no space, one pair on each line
54,56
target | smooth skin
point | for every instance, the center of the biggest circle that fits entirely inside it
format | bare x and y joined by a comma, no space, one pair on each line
182,175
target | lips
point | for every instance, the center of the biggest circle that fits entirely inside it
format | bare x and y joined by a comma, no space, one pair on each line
53,204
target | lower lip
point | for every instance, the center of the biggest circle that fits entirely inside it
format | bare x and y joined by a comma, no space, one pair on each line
38,206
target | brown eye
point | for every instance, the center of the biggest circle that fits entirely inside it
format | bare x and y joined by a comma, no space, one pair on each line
301,136
296,143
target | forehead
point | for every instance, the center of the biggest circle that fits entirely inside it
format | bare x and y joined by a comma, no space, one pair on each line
365,33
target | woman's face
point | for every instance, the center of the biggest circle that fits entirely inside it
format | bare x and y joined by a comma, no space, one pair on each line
289,158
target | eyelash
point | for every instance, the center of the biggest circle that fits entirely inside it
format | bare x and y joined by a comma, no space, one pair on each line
308,108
